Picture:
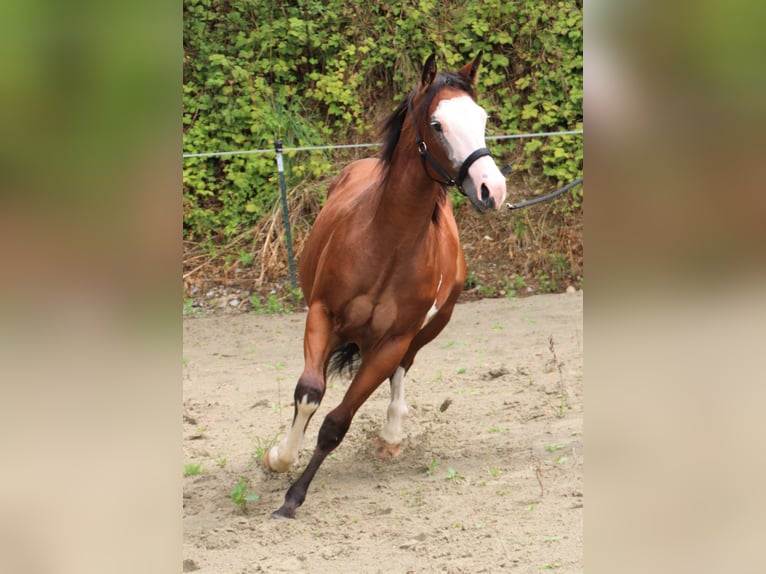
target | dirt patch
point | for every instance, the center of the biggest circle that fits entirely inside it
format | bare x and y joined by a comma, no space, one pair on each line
489,479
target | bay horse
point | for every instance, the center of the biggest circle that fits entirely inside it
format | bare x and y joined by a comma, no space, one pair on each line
383,267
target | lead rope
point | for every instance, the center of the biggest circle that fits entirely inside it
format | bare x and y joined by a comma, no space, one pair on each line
507,169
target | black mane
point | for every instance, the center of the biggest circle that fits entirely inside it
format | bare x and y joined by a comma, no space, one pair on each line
391,127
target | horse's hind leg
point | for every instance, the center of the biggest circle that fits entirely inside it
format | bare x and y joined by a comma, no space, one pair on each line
390,437
309,391
389,441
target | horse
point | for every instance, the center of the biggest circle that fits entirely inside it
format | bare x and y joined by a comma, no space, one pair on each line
383,267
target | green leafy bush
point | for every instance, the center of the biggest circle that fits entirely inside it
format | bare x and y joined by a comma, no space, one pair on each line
311,72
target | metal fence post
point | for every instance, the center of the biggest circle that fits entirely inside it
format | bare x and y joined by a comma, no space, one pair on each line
285,213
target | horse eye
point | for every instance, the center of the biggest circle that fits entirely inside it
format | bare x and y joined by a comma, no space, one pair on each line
437,126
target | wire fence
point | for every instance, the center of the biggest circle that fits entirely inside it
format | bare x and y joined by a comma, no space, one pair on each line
278,149
352,146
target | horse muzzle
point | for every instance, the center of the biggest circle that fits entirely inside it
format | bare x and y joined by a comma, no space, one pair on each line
485,186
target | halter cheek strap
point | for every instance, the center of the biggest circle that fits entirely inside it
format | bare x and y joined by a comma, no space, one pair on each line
427,157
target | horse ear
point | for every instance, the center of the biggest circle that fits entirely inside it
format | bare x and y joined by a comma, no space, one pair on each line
471,69
429,72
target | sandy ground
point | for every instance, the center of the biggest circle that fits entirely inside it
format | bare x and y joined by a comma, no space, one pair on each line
489,479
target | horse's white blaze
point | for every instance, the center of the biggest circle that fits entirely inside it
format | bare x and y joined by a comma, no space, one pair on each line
392,432
463,122
282,456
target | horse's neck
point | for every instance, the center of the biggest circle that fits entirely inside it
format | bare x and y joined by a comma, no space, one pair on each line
408,198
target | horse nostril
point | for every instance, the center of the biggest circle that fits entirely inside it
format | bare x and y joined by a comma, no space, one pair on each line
486,198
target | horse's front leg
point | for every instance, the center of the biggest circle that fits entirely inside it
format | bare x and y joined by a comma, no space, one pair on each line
371,373
317,343
282,456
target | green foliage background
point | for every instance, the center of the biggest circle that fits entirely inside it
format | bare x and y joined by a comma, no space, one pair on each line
318,73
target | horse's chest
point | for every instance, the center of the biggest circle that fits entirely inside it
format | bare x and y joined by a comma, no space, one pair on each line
364,313
387,315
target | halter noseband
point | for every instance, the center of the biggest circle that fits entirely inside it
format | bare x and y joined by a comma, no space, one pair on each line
425,156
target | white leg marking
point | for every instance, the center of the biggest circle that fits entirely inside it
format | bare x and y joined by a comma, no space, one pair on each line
430,315
434,309
392,432
282,456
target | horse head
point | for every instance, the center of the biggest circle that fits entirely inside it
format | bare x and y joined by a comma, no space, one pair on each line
452,125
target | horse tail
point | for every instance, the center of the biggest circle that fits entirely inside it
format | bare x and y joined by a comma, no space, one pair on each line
344,360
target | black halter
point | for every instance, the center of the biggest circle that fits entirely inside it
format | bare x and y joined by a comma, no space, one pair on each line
427,157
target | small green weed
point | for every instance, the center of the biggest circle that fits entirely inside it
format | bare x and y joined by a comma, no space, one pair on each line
431,467
245,258
485,290
277,407
240,495
546,283
255,303
452,474
262,444
273,305
193,469
452,343
190,310
297,295
278,366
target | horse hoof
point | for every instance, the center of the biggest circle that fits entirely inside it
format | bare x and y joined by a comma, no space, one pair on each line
272,462
386,450
283,514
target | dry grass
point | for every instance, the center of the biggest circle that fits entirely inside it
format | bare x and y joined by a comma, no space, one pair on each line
497,246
